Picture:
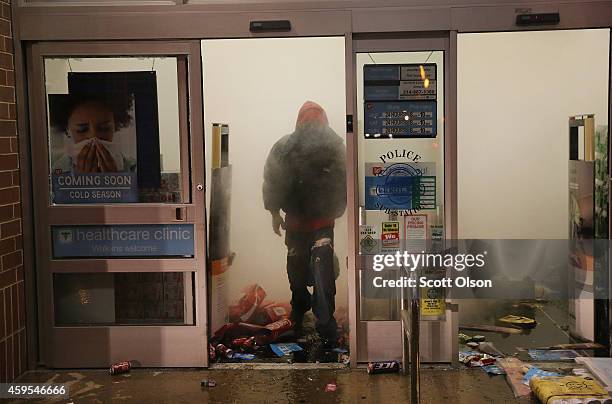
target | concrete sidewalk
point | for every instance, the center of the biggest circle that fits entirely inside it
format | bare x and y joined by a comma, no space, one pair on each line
438,385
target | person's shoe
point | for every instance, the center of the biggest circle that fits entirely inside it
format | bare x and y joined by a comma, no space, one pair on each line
300,334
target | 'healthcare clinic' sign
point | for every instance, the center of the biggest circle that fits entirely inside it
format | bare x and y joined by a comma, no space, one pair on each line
140,240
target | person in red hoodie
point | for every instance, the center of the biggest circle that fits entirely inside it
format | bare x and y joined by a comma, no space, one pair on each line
305,177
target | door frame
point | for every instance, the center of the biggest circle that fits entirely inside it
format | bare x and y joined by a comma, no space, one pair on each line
169,339
389,333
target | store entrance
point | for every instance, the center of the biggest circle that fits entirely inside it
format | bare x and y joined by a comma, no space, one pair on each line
274,115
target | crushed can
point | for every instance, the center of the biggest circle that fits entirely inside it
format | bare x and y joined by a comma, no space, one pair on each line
224,351
212,352
120,367
208,383
244,343
383,367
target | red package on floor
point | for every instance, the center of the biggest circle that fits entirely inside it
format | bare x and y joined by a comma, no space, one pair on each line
252,298
231,331
277,311
274,330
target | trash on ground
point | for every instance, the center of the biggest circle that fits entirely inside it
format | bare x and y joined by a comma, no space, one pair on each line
344,359
208,383
212,353
383,367
244,343
466,356
243,356
255,322
276,311
563,389
120,367
518,321
482,360
331,387
537,372
546,355
274,330
494,369
285,349
491,328
478,338
489,348
514,375
464,338
601,368
252,297
224,351
579,346
472,344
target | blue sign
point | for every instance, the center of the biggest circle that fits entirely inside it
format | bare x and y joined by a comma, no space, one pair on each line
400,186
381,72
138,240
401,119
400,101
94,188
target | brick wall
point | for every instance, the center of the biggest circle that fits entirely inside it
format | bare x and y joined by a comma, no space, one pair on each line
12,299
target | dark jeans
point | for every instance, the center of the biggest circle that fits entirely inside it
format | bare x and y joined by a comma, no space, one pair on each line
310,262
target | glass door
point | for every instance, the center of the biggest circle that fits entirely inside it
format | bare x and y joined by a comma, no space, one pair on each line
119,203
400,107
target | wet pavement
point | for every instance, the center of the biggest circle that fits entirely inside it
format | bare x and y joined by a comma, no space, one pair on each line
438,385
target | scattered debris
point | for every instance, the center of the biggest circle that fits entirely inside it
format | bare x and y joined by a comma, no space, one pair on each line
546,355
256,323
244,343
285,349
464,338
514,375
478,338
252,297
580,346
491,328
467,356
537,372
489,348
601,368
494,369
383,367
331,387
344,358
562,389
224,351
472,344
212,353
208,383
518,321
121,367
243,356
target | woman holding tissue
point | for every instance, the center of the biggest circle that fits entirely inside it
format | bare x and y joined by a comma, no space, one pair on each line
90,123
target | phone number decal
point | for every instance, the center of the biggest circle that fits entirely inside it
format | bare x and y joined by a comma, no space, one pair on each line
32,390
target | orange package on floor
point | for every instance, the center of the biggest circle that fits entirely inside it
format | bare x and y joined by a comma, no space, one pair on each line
246,309
276,311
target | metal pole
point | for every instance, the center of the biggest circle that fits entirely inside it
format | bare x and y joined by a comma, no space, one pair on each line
415,361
